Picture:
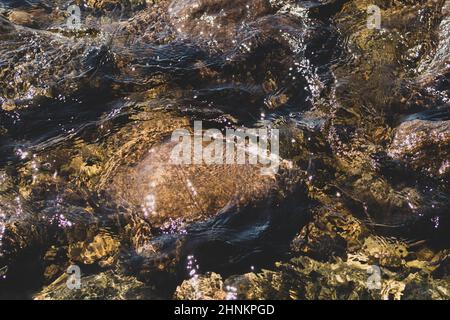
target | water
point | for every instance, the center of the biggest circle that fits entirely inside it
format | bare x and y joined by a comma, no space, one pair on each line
83,108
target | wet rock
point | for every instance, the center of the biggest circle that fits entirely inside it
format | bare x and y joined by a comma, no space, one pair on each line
52,272
36,18
248,286
57,61
384,252
22,18
111,4
9,105
377,79
217,20
72,226
26,241
376,84
201,287
151,25
163,191
280,57
172,207
331,233
55,261
437,71
102,250
423,145
304,278
21,243
418,288
103,286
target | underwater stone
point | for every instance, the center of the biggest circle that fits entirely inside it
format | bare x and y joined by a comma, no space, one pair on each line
204,287
106,285
437,71
103,249
162,191
423,145
217,20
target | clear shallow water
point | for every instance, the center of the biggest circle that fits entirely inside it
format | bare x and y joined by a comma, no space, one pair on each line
82,109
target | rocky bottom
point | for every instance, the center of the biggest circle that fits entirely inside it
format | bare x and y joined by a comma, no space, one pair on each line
359,205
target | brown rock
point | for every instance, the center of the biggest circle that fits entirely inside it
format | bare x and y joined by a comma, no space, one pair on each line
163,191
102,250
205,287
424,145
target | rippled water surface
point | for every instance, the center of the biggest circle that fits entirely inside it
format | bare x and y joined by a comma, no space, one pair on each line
87,114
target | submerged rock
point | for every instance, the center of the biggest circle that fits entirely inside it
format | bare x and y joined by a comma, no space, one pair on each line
164,191
216,20
204,287
48,67
96,187
436,72
102,286
332,232
178,210
39,17
304,278
423,146
103,249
